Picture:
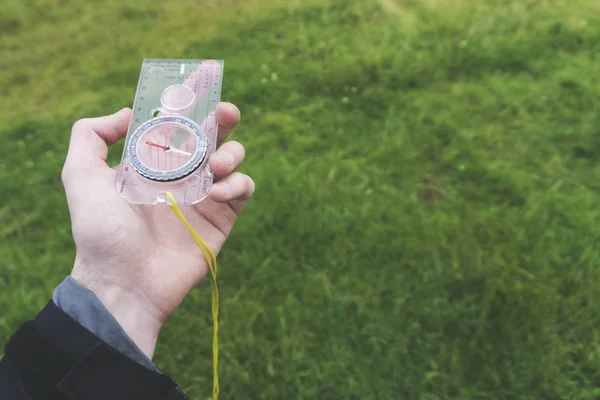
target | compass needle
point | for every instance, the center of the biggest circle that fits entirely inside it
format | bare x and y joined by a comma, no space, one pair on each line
185,153
157,145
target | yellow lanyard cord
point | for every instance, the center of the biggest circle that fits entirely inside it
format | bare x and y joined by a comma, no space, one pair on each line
211,260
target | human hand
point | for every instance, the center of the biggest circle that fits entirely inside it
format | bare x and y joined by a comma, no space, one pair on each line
141,261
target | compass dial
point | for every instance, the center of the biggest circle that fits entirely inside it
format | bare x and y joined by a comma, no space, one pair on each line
168,148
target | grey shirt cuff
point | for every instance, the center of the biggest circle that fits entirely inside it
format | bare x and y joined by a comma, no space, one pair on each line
83,306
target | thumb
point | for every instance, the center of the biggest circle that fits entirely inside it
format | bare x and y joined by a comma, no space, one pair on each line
90,138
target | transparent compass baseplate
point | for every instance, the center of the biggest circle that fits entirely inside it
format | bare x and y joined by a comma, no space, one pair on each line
172,133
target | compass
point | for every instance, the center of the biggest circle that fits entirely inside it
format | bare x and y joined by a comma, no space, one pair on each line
168,148
172,132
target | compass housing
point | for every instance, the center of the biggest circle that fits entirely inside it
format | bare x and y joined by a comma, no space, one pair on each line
160,126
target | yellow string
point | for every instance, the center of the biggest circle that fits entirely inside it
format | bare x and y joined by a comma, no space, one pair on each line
211,260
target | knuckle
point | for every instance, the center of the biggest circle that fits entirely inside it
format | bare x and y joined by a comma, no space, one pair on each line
71,173
65,175
81,124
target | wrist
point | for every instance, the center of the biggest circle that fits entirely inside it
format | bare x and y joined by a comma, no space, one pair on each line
139,321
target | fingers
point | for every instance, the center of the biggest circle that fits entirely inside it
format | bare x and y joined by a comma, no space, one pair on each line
227,115
227,159
90,138
236,189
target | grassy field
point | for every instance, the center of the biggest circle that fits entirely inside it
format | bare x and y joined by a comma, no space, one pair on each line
426,222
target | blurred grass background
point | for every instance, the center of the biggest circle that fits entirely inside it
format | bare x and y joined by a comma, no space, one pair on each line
426,221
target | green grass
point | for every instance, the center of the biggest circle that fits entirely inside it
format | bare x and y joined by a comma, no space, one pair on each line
426,222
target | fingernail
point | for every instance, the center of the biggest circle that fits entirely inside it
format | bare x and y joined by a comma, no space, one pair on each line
224,186
228,158
237,110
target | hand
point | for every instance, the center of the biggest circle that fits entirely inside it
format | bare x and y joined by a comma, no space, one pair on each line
141,261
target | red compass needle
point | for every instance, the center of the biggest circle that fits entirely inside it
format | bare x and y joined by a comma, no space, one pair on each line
157,145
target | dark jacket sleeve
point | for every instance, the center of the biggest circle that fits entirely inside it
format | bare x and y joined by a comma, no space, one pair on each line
82,305
53,357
